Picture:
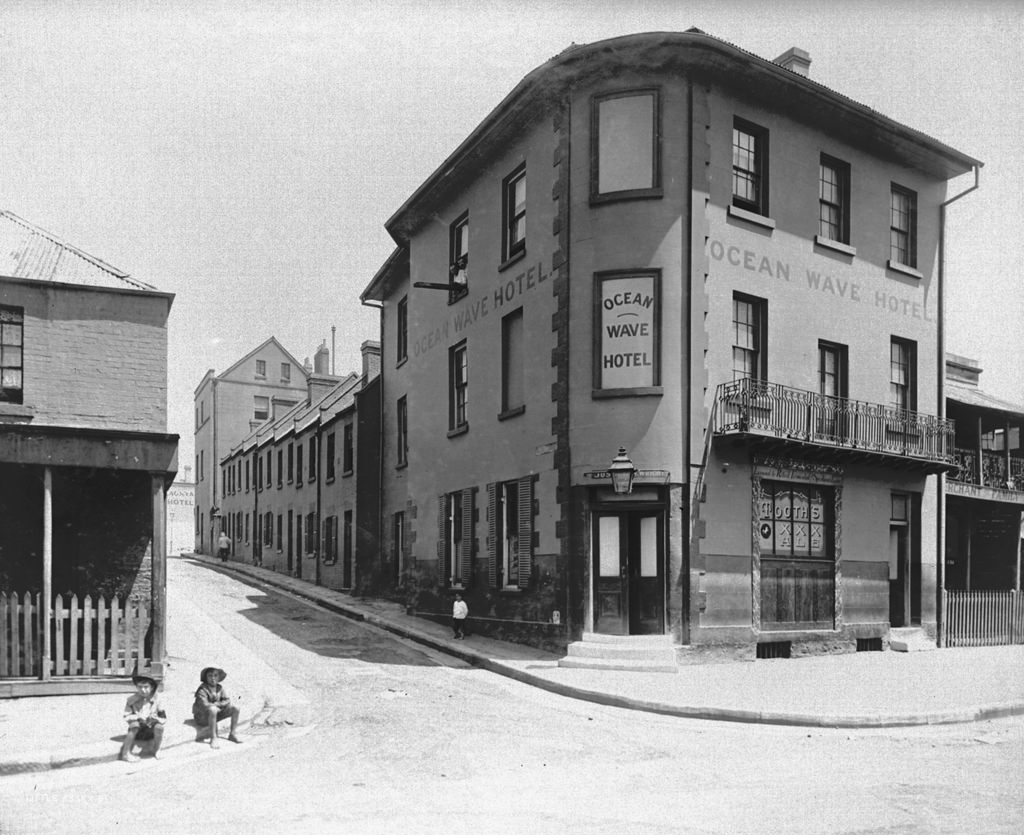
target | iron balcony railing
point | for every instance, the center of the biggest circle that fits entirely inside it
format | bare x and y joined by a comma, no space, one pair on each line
759,407
993,469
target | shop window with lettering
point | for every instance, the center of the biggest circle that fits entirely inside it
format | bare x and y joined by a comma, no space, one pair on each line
627,333
625,145
796,541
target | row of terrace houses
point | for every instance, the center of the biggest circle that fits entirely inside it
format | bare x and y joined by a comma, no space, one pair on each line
289,489
662,353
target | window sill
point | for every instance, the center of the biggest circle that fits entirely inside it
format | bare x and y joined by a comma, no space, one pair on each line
17,411
640,391
632,194
329,480
512,259
457,296
402,361
510,590
458,430
837,246
751,217
897,267
401,465
511,413
346,474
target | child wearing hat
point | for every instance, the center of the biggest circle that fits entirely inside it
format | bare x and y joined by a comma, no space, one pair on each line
212,704
145,716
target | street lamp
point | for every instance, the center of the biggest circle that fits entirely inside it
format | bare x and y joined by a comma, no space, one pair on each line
622,472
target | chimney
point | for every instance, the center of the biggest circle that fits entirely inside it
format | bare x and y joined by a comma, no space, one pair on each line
371,359
318,386
962,370
796,60
321,359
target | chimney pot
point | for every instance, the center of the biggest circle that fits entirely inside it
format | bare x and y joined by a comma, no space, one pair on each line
796,60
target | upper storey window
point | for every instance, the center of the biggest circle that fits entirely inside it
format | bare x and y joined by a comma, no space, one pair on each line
458,257
261,368
12,329
834,200
513,192
749,167
903,226
625,138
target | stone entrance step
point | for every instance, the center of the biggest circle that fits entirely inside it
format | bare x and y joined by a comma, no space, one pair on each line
638,653
910,639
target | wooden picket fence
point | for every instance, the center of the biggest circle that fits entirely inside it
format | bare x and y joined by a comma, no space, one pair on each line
88,637
983,618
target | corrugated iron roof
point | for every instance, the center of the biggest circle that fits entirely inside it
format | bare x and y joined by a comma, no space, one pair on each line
979,399
26,251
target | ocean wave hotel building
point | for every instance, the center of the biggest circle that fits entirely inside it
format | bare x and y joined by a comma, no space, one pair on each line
662,355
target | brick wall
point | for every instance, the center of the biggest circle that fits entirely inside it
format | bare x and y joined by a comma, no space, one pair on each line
93,358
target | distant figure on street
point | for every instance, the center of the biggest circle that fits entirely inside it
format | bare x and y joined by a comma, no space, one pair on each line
223,546
460,611
213,704
145,716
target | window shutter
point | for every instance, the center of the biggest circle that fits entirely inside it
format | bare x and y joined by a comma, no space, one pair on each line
492,535
442,539
465,564
525,539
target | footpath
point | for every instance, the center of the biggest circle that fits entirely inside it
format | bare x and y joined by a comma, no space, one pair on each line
862,690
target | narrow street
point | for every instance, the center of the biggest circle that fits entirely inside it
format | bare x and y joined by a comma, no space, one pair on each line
409,740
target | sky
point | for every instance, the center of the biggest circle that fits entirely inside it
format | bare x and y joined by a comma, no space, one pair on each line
245,156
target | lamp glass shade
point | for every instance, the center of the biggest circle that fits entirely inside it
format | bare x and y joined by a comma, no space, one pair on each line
622,472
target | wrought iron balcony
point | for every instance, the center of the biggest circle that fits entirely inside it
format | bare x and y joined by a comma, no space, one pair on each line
994,471
773,412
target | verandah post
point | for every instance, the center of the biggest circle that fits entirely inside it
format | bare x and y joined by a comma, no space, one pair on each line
47,610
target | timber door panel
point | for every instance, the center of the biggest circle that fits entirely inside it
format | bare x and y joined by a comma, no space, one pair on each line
610,601
629,588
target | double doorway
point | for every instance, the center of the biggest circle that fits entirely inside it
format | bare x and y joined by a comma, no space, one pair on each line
629,570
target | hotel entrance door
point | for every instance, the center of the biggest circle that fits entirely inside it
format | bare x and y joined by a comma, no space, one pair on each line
629,572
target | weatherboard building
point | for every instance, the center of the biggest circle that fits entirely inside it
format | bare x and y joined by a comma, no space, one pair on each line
662,355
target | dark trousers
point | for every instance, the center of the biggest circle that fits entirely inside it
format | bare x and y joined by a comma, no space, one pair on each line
458,624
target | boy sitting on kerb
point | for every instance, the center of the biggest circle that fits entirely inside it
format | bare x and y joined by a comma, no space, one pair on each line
145,716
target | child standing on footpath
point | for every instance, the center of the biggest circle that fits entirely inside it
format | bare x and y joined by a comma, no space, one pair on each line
459,613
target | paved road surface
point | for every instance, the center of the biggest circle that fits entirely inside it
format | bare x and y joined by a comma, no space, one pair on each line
408,740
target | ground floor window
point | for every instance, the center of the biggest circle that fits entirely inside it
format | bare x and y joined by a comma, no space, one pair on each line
331,539
455,536
796,541
510,533
398,542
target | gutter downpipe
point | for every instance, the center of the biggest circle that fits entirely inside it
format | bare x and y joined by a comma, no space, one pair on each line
940,514
396,573
318,540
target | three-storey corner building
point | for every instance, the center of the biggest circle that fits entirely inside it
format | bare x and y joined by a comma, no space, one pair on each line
665,258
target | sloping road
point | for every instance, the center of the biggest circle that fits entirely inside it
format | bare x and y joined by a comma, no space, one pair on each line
409,740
